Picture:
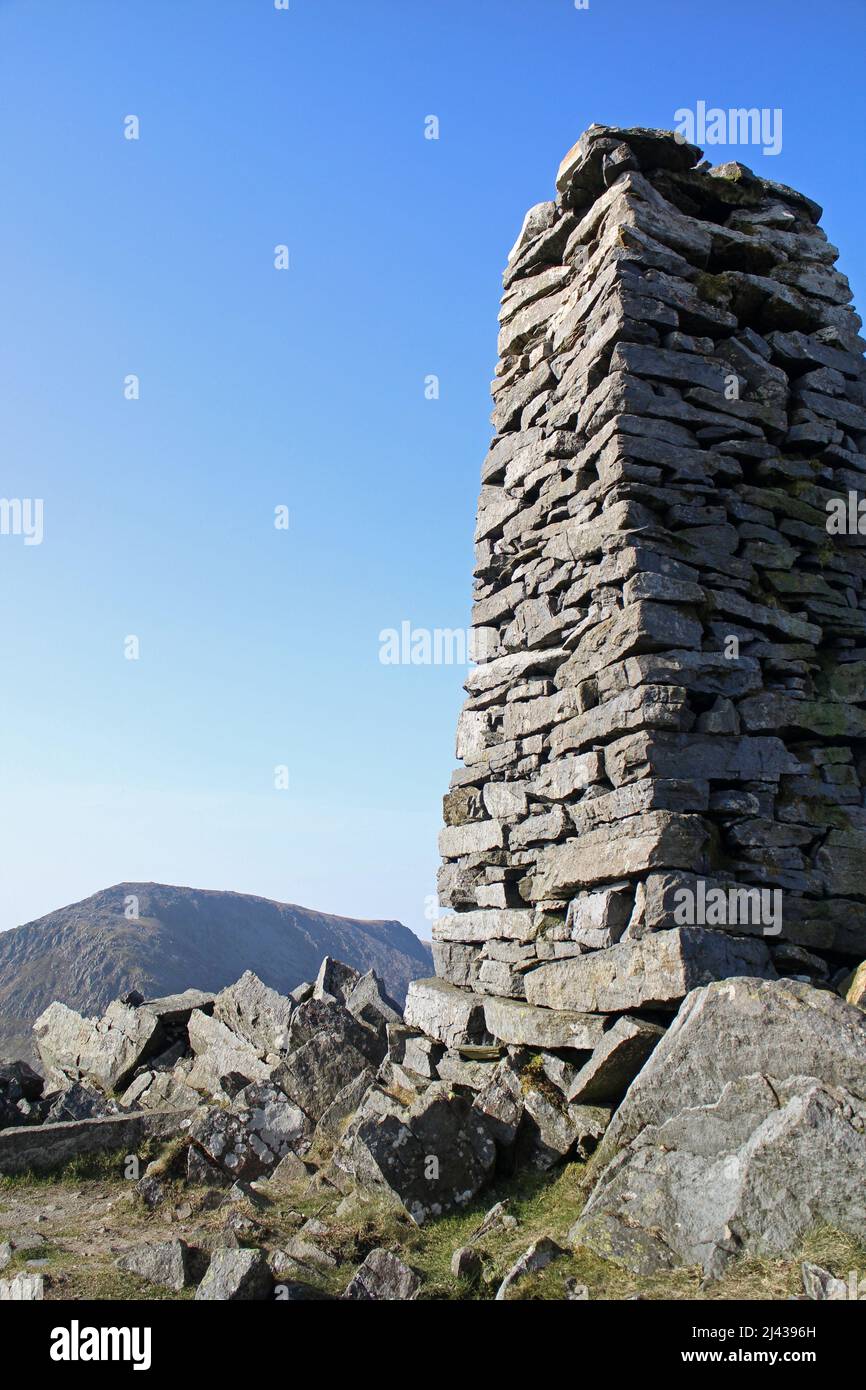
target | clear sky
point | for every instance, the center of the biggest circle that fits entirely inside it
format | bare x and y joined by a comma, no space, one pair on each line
303,388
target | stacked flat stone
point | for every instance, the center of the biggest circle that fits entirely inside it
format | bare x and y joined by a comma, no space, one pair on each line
673,686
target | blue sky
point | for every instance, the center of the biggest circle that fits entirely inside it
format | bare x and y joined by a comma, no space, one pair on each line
304,388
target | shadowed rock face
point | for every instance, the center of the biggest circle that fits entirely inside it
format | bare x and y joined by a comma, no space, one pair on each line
89,953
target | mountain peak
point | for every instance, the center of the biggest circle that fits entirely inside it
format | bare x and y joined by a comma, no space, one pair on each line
161,938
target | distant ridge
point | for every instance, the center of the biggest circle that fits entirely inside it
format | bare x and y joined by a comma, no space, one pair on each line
90,952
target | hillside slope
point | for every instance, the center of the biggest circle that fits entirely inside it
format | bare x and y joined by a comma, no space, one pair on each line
87,954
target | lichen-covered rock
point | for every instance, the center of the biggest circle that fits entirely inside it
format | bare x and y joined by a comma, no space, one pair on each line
334,1118
328,1015
430,1157
315,1073
250,1138
782,1028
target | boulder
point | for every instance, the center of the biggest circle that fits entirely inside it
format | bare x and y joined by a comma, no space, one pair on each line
383,1276
290,1170
105,1051
255,1013
719,1149
160,1090
821,1285
123,1038
22,1077
249,1139
335,980
306,1254
532,1123
170,1264
329,1016
781,1027
429,1157
61,1036
333,1120
316,1072
751,1173
370,1004
20,1095
537,1257
500,1103
173,1010
81,1102
615,1062
236,1275
466,1263
421,1054
202,1173
552,1130
220,1054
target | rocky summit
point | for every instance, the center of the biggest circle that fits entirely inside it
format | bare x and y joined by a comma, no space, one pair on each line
647,1009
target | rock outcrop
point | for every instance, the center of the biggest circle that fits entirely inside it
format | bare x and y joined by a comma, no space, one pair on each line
746,1128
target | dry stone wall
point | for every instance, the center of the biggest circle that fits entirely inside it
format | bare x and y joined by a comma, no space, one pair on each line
663,747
